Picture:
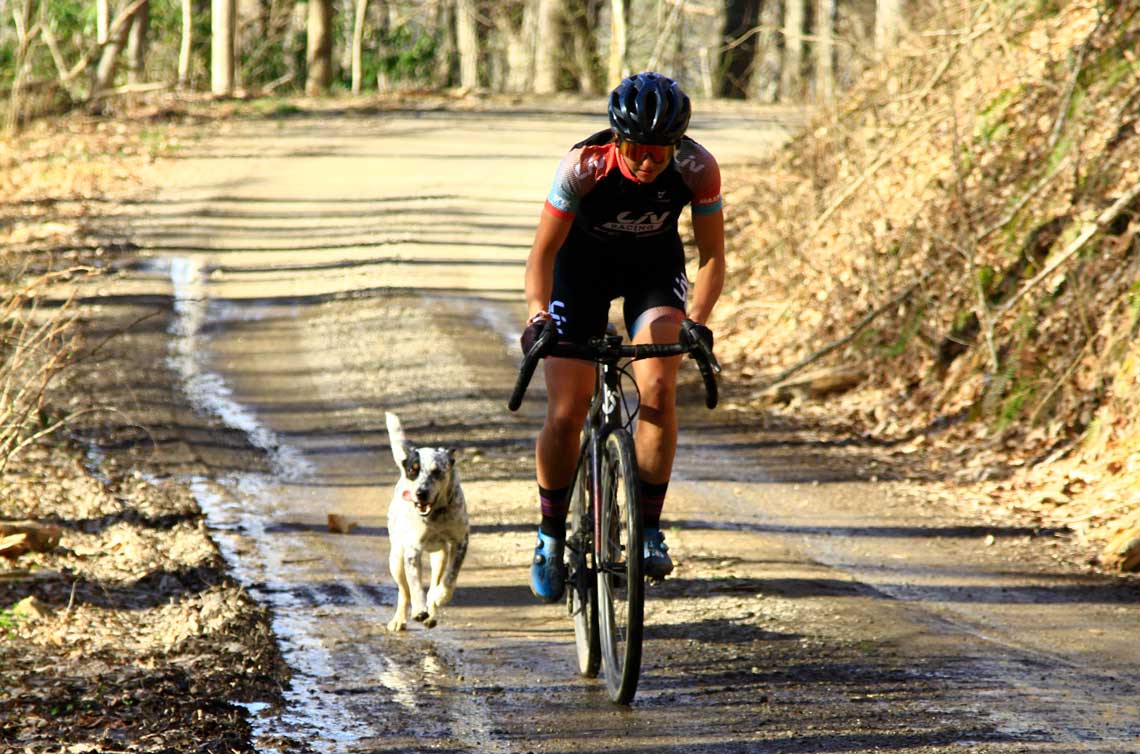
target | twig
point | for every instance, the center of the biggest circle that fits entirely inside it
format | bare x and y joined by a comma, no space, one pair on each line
1078,65
1106,218
870,171
1023,200
862,324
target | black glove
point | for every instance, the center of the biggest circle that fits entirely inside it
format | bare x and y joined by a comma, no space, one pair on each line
703,333
532,332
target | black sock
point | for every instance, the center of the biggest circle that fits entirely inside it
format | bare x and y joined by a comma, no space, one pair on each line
652,500
554,509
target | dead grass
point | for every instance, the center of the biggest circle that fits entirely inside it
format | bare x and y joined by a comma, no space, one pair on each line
976,160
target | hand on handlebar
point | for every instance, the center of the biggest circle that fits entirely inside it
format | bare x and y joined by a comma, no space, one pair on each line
702,332
535,326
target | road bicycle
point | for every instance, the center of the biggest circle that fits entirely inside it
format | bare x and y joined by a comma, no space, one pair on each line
606,587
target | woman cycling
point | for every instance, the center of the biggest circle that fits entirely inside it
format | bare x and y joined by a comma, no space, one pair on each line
608,230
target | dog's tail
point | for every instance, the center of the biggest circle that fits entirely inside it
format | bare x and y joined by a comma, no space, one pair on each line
396,438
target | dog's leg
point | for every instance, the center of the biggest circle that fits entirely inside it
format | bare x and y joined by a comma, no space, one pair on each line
434,601
445,576
396,565
412,565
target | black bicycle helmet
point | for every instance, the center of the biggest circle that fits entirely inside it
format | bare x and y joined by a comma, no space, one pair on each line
649,108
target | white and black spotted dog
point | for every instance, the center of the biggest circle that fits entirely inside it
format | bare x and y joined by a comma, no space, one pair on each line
427,512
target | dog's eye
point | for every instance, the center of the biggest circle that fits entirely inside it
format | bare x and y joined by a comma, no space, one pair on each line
414,470
436,473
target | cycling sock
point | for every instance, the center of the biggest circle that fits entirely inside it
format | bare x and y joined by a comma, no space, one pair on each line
652,501
554,508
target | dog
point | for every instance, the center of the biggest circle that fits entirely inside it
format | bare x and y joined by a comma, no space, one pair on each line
427,512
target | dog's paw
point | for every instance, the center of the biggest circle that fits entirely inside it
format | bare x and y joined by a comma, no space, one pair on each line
430,621
421,616
396,625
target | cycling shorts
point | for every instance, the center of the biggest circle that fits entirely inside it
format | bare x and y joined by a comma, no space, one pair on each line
588,276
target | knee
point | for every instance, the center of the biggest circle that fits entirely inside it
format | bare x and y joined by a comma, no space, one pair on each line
565,421
658,392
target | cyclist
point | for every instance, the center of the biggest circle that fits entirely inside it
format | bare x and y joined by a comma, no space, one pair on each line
608,230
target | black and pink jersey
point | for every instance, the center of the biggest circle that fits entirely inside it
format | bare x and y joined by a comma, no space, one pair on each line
608,204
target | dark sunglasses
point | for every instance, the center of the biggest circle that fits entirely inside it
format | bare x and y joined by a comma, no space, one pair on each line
657,153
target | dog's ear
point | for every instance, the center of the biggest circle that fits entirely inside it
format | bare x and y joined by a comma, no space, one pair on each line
451,456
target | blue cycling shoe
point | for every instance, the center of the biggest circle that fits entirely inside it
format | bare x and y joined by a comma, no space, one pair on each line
547,570
656,564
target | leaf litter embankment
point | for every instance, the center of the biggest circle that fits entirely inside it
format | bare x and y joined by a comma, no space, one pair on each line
955,245
129,634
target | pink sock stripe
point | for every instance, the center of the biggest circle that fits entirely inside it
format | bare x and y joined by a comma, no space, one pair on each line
554,508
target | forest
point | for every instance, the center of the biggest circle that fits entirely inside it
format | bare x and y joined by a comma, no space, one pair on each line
59,54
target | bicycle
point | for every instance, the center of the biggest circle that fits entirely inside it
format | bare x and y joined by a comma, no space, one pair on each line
606,594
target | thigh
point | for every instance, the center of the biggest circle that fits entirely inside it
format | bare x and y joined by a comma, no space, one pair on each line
662,325
580,296
655,287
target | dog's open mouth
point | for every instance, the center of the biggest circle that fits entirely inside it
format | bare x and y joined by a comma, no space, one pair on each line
423,507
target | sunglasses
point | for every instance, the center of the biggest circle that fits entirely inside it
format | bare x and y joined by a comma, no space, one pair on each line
657,153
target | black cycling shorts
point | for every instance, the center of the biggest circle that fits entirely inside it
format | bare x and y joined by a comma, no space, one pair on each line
588,276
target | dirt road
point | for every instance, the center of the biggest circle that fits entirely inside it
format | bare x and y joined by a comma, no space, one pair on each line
326,268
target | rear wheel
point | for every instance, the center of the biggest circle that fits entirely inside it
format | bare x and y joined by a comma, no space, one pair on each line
583,595
621,587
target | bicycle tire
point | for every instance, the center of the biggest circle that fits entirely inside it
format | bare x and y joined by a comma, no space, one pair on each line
582,597
621,585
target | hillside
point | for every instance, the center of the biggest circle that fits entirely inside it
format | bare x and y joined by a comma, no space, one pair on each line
958,237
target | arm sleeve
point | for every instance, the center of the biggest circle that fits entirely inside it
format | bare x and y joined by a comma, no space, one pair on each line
702,175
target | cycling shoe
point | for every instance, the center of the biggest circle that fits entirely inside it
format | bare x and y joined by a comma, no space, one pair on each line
656,563
547,570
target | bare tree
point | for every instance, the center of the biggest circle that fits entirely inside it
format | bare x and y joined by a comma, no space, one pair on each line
223,32
137,44
619,41
467,42
318,53
825,50
358,43
548,54
741,18
184,46
792,71
583,19
102,21
888,22
516,24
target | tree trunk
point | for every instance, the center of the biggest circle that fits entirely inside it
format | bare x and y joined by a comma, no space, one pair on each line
825,50
619,41
741,18
109,58
184,47
548,52
517,30
223,29
137,45
445,60
102,21
467,42
792,71
584,30
358,44
766,66
888,22
318,53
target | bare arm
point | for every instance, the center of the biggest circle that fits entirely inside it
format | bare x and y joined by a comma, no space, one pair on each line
709,233
548,239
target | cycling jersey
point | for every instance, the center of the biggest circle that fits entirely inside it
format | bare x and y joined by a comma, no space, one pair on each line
624,240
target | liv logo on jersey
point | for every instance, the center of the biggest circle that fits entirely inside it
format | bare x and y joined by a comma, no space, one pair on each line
647,223
681,288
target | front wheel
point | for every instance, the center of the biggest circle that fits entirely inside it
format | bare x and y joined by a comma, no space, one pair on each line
621,587
583,596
